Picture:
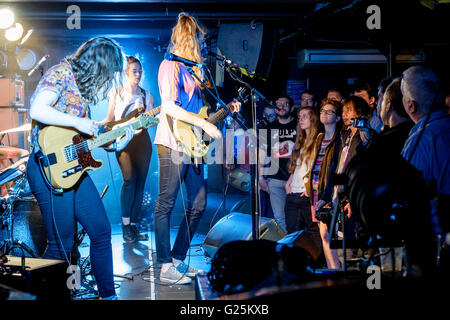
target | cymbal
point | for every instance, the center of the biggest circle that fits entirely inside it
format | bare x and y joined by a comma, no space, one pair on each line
25,127
12,152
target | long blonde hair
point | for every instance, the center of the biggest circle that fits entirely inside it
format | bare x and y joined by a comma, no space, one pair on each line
95,65
305,143
186,41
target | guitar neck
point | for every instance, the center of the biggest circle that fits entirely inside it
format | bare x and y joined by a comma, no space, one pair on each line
218,116
110,136
153,111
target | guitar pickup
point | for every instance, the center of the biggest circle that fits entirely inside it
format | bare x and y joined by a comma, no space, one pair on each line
71,171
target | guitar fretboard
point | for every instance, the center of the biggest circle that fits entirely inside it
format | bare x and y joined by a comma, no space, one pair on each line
218,116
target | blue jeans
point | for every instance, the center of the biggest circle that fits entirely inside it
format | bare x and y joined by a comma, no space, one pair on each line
171,174
81,203
278,201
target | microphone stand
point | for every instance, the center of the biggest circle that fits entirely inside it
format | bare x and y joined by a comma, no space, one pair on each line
255,97
220,103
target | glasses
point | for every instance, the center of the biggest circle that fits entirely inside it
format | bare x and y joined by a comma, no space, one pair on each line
284,104
328,112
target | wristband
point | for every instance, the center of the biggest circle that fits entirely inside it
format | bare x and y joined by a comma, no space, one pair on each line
261,178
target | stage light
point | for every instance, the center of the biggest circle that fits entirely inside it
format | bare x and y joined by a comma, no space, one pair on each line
6,18
27,35
14,33
26,59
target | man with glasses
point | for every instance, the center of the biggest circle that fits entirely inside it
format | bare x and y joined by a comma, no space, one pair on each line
308,99
273,167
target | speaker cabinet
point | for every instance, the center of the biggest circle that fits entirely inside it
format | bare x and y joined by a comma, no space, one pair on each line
238,226
44,278
249,45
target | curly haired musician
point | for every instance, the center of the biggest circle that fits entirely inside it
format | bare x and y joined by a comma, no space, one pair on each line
62,98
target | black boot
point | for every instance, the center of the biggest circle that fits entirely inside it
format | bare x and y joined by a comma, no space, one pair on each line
128,233
137,235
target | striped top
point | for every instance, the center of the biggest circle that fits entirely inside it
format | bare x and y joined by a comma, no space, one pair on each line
316,171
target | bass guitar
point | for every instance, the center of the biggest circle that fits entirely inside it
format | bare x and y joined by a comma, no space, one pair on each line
68,153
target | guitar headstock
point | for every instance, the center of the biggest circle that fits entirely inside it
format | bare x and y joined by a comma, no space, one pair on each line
148,121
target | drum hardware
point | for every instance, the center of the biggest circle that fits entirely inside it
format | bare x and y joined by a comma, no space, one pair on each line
15,173
12,152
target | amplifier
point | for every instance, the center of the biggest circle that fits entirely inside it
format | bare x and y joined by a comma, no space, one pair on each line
44,278
11,93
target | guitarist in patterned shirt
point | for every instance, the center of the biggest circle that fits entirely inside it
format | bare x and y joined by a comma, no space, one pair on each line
62,98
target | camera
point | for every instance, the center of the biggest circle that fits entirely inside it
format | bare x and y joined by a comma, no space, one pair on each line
324,214
359,122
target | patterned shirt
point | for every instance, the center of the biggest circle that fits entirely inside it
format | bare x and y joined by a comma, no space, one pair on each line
61,80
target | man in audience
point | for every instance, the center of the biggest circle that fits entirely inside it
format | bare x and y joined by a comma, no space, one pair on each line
275,155
335,94
396,121
367,92
308,99
428,145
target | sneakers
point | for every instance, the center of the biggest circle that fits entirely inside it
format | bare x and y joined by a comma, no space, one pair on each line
173,276
183,268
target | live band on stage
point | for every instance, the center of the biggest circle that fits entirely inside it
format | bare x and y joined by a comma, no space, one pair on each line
321,201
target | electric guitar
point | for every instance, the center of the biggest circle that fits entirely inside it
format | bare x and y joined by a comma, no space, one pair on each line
131,116
69,153
192,139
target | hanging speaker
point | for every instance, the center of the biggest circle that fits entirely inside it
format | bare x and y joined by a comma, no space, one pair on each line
249,45
238,226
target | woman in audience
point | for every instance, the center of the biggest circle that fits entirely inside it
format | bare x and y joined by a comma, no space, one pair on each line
319,185
298,207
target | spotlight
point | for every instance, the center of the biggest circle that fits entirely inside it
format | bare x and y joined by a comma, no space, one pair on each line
6,18
27,35
14,33
26,59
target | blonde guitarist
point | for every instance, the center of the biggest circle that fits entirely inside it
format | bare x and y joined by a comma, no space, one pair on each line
134,159
180,99
62,98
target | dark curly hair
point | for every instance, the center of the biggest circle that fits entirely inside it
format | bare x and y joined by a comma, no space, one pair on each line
95,65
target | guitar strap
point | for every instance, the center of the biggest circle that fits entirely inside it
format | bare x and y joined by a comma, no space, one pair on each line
125,111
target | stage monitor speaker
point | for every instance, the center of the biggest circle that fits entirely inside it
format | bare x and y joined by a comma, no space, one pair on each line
238,226
44,278
249,45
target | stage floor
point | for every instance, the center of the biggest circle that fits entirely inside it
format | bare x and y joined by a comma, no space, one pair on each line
135,267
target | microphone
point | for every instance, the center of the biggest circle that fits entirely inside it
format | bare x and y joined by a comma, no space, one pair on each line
219,57
188,63
38,64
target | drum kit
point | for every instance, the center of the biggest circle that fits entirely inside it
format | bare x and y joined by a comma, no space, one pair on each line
21,227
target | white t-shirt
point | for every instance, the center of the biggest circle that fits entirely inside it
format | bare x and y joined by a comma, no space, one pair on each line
299,177
125,98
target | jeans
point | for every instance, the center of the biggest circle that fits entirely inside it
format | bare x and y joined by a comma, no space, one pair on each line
134,160
171,174
278,200
60,212
298,217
